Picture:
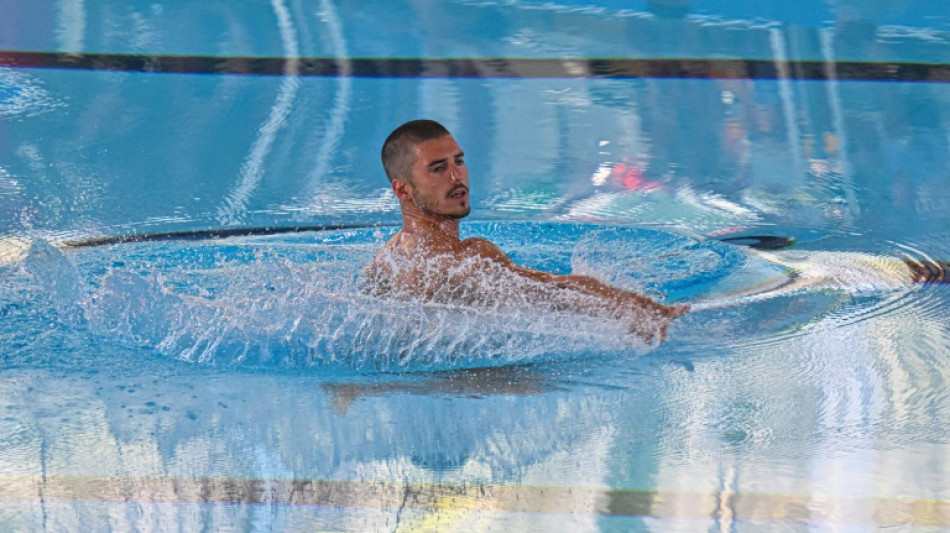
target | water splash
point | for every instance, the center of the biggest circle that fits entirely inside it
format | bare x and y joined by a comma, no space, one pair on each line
271,312
60,279
296,301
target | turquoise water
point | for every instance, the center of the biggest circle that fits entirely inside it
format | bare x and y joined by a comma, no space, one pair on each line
185,209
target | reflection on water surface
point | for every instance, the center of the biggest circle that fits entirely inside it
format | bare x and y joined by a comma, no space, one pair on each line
823,406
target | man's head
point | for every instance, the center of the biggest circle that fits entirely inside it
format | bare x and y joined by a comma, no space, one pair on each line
427,169
399,150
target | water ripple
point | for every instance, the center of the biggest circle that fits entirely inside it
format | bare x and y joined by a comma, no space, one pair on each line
23,96
294,301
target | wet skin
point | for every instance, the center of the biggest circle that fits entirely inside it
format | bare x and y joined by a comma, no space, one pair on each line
427,260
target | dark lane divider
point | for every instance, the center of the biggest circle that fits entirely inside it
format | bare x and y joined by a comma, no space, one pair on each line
528,68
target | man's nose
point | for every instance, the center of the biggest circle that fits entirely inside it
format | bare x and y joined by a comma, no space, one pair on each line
454,175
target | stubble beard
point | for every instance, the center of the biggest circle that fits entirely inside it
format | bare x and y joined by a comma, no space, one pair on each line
453,215
460,216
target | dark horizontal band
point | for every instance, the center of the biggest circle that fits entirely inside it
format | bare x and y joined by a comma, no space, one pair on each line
211,234
760,242
473,68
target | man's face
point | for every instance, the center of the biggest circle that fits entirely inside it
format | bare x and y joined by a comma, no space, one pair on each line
439,182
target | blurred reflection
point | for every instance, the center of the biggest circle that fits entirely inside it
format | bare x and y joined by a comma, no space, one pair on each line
894,135
421,445
467,383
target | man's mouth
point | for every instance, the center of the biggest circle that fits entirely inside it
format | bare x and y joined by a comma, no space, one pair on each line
458,192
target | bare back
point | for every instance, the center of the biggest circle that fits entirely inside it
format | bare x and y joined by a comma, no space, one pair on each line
475,272
439,270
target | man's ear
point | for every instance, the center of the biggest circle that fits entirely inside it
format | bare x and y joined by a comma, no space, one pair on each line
402,190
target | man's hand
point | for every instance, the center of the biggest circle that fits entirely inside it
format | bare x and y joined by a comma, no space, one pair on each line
647,325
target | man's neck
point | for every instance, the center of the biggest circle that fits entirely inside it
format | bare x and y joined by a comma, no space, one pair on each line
417,222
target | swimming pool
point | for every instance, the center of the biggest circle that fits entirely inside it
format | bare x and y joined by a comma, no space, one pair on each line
188,193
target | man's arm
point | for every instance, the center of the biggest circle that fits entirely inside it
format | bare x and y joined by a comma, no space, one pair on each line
591,296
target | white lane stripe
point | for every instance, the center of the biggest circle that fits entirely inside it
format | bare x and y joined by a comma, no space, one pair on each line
340,108
235,206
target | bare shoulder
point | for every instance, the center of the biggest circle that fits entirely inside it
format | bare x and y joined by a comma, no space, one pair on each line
484,248
382,268
399,245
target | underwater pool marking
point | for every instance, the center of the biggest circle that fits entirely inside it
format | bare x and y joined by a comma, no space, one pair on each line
481,68
479,497
213,234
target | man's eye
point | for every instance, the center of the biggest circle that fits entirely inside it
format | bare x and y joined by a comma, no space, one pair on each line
439,168
460,162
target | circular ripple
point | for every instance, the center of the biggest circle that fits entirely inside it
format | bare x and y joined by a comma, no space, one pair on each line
292,301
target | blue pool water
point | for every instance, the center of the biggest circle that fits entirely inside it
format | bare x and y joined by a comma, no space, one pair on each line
188,194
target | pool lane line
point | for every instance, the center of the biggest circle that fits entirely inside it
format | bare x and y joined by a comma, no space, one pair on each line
487,68
439,497
213,234
758,242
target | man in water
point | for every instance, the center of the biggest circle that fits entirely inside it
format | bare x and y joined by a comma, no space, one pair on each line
428,261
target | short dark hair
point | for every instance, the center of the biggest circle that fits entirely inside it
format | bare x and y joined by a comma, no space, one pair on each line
398,152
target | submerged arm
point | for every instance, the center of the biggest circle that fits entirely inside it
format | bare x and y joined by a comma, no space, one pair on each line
589,295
